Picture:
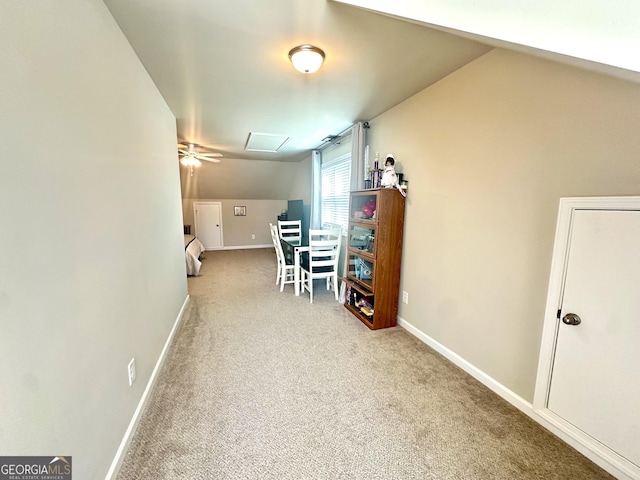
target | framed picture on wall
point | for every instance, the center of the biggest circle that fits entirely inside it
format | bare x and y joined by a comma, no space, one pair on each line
240,211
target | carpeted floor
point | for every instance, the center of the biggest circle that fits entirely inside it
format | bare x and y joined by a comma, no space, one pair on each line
264,385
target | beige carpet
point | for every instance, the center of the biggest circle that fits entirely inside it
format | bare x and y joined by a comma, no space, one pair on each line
263,385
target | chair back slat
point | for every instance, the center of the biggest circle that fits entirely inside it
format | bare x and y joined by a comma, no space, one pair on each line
276,242
285,272
322,259
290,228
324,248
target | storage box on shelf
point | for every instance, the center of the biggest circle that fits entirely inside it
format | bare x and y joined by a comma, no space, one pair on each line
374,255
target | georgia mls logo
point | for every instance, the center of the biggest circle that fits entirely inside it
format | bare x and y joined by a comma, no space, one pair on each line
35,468
60,466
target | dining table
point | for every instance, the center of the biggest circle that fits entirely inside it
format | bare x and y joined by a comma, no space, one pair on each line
294,246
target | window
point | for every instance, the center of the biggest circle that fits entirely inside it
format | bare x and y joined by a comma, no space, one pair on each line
335,191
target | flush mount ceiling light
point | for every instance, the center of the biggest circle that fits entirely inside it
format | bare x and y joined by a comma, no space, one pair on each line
306,58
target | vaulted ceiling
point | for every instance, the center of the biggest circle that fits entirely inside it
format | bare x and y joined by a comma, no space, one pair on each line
223,67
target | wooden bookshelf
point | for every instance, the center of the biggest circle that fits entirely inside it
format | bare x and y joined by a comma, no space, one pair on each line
374,256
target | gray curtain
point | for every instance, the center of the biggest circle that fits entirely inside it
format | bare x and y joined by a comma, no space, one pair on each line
316,185
358,142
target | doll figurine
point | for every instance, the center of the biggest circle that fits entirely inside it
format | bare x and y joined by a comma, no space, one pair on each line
389,178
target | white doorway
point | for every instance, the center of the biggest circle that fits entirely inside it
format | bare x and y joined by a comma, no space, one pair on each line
588,384
208,224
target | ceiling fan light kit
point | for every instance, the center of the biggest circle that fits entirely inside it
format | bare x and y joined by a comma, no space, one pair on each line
306,58
191,158
190,162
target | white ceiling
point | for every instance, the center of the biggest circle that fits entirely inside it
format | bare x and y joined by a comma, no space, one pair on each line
223,67
592,34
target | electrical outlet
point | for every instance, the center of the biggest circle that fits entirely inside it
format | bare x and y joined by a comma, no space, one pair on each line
405,297
253,236
131,369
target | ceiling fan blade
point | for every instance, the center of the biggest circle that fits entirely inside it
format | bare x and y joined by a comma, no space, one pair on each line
189,151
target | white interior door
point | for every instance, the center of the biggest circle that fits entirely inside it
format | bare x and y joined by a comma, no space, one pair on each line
208,223
595,378
592,381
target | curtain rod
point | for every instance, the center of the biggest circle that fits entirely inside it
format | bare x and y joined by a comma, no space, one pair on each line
333,139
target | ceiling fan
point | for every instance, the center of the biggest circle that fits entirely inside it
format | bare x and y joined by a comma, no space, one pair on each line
190,157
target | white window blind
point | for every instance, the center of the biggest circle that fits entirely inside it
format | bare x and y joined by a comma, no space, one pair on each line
335,191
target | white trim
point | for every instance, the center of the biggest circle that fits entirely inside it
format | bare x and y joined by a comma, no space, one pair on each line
556,281
514,399
597,453
137,415
242,247
600,454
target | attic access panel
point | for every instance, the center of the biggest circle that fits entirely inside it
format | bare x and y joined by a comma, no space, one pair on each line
265,142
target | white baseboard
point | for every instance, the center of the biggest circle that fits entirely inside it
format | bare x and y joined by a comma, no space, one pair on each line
606,461
128,436
241,247
515,400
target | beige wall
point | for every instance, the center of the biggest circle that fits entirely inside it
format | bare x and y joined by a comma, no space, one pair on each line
301,185
237,231
293,181
235,178
92,269
488,152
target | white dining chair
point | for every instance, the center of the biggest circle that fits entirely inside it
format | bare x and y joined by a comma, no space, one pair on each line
321,261
290,228
285,271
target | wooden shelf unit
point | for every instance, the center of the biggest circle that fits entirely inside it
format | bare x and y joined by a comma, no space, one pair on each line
374,256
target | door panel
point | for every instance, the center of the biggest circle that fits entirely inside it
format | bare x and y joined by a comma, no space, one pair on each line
595,374
208,220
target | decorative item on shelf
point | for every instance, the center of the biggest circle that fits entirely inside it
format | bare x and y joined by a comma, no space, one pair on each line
389,178
403,186
374,175
367,311
370,243
366,164
369,208
363,269
365,307
375,178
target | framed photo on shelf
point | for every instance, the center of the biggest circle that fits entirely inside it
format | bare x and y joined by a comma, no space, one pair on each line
240,211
